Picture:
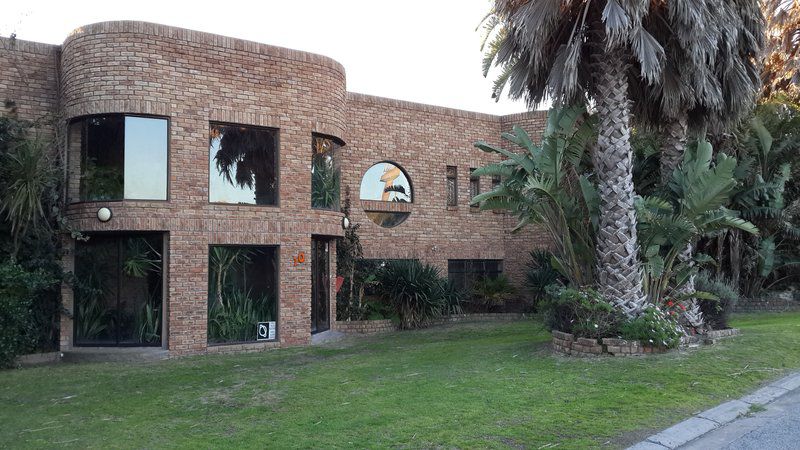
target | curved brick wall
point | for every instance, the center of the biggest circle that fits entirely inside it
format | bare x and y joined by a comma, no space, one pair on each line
193,78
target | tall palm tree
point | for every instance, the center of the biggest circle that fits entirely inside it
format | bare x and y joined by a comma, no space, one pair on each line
710,79
581,51
781,71
246,158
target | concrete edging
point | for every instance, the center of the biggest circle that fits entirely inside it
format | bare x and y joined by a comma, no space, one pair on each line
711,419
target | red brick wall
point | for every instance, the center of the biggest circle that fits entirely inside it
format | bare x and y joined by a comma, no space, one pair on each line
29,78
192,78
423,140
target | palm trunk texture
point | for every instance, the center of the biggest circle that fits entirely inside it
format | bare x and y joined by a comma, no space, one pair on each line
618,269
674,133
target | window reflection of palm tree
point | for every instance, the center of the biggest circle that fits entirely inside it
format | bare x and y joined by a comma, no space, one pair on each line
390,174
246,158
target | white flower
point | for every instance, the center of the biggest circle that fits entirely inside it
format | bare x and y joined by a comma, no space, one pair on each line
595,325
651,341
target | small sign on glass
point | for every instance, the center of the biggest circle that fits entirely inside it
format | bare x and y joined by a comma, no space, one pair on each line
266,331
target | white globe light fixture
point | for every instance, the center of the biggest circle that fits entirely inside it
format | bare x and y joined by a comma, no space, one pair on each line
104,214
345,223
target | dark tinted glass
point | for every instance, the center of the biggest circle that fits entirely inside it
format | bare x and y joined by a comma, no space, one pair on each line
121,157
118,290
103,159
243,165
242,291
465,272
325,173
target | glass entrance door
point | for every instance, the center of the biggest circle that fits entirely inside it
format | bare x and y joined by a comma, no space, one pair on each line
320,285
118,290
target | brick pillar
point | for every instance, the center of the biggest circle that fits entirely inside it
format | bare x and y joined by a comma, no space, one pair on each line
294,317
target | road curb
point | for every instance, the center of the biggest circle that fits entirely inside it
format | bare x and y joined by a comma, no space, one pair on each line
711,419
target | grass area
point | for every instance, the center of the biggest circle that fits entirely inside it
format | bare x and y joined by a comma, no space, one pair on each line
482,385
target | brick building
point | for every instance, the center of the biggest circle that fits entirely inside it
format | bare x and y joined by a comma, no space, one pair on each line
200,168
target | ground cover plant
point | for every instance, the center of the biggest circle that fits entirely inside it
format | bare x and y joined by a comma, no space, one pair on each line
466,385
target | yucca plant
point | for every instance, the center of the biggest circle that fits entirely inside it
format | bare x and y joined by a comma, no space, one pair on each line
416,291
693,206
27,174
543,185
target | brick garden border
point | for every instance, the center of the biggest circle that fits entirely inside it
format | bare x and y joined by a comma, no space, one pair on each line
365,327
568,344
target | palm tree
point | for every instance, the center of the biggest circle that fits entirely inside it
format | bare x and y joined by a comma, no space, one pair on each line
781,70
710,82
580,51
246,158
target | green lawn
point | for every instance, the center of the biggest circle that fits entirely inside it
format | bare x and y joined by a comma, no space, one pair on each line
467,386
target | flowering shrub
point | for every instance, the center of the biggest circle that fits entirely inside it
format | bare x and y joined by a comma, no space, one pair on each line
584,313
655,327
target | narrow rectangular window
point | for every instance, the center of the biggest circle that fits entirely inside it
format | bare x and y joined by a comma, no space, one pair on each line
474,189
452,186
495,181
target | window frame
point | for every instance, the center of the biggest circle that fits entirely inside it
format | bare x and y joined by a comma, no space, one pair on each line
278,299
341,145
449,177
83,119
277,165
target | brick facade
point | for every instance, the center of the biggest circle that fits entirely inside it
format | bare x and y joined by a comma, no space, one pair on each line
193,78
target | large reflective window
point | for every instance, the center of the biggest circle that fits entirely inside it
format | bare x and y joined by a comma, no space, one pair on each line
119,157
118,290
325,173
242,293
243,165
386,194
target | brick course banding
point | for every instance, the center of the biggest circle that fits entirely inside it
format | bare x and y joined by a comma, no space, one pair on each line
193,78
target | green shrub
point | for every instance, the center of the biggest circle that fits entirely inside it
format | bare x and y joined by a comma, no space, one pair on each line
416,292
540,274
654,328
489,294
18,290
716,312
583,313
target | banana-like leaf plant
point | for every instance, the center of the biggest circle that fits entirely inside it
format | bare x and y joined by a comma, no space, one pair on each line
693,206
543,184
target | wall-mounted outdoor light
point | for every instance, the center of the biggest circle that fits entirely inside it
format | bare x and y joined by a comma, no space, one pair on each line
104,214
345,223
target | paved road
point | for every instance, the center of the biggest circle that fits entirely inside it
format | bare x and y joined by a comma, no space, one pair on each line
778,427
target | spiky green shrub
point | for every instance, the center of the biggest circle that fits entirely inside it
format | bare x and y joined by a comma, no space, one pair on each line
417,292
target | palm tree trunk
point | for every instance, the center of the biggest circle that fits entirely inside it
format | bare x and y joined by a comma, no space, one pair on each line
672,150
674,145
618,270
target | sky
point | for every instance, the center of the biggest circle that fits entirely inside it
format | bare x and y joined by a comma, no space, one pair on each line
421,51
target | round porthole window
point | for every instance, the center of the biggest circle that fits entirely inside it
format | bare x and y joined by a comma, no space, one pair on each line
386,194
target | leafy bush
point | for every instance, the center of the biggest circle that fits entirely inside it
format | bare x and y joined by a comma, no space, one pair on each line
18,290
583,313
490,293
540,273
716,312
654,328
416,292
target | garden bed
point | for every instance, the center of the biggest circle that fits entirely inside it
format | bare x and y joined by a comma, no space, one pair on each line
568,344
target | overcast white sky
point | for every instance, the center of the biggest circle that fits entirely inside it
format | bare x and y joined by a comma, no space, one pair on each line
419,50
